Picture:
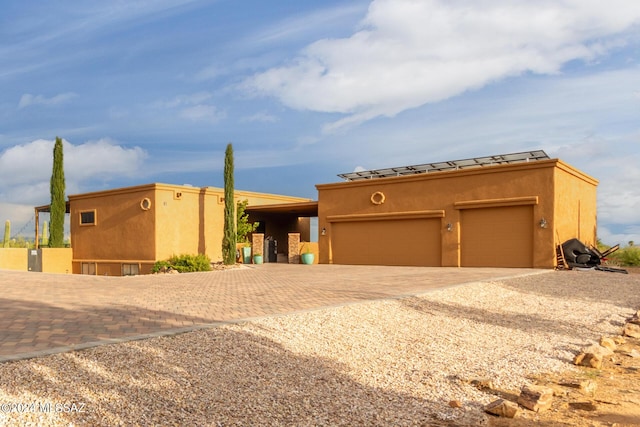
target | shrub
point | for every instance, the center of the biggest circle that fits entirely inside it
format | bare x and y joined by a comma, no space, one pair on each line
629,256
184,263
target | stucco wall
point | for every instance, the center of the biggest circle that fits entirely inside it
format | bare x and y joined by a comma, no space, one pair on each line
123,229
447,194
576,204
57,260
186,220
14,259
152,222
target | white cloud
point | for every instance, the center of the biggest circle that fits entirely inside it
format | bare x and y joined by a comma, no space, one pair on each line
25,170
19,215
28,99
194,107
298,26
409,53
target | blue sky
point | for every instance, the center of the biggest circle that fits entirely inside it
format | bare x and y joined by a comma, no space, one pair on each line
152,91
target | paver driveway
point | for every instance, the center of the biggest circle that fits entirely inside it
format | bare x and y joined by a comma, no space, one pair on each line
44,313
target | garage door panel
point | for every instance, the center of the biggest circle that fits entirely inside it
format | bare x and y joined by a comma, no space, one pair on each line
414,242
497,237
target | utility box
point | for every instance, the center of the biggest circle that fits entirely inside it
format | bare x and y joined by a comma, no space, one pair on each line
35,260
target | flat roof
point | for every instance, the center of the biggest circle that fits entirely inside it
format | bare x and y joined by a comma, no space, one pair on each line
499,159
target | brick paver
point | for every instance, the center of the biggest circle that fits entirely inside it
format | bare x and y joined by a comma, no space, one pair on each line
44,313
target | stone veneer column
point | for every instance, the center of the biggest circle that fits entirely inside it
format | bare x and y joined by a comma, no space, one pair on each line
294,248
257,244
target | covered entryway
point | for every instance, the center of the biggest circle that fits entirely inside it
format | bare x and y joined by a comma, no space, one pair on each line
497,237
278,222
410,242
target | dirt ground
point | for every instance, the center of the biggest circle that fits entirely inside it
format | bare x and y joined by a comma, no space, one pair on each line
615,401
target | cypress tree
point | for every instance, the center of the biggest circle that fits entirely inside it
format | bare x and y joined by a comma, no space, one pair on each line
229,236
58,202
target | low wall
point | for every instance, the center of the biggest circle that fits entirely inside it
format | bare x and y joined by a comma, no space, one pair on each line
56,260
14,259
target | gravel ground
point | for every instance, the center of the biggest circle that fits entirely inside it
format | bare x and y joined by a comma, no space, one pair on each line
392,362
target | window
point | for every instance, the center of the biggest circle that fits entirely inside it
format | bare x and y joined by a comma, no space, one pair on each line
130,269
88,268
88,217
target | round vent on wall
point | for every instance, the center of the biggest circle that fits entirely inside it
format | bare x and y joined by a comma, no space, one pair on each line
377,198
145,204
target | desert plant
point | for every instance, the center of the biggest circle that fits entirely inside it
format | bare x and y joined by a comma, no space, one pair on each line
229,233
184,263
58,203
20,242
306,248
45,234
7,234
243,226
159,266
629,256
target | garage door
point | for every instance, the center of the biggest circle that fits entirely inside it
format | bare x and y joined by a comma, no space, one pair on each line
414,242
497,237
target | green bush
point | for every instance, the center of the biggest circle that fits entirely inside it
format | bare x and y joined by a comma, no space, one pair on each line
629,256
184,263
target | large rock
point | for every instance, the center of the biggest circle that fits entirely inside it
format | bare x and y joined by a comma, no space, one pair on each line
635,319
536,398
607,342
592,356
631,330
502,408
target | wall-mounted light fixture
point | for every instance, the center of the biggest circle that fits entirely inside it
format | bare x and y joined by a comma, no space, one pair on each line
324,231
543,223
449,227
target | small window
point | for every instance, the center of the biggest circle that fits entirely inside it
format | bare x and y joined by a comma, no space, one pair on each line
130,270
88,268
88,217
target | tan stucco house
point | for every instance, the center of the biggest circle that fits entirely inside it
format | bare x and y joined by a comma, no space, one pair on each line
509,210
499,211
124,231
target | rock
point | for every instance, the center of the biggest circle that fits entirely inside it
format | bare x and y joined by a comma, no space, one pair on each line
482,384
608,343
634,353
588,386
592,356
502,408
536,398
590,360
455,404
598,349
631,330
585,386
635,319
619,340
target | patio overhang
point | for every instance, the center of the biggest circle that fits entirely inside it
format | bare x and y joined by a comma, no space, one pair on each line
301,209
45,208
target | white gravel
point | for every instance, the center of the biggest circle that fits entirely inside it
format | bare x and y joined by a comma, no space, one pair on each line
392,362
